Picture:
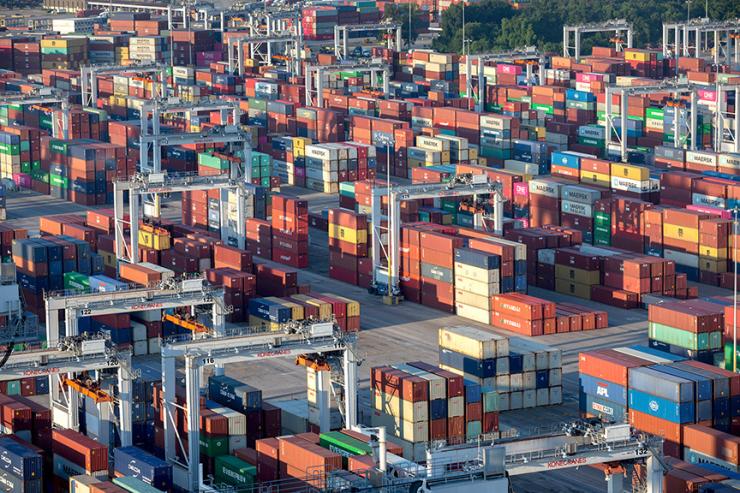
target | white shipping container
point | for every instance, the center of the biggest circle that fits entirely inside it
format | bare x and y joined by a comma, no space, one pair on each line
543,397
503,383
682,258
456,406
478,275
139,331
529,380
503,401
556,395
555,377
482,302
529,399
502,366
141,348
515,400
473,342
545,187
473,313
236,442
237,422
155,345
516,381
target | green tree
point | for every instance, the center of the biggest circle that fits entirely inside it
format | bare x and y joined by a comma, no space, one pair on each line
516,32
399,13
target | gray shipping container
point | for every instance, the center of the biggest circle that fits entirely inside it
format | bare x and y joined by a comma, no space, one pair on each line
653,382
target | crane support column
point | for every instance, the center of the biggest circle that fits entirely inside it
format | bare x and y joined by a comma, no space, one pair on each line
654,475
125,399
350,386
192,385
623,126
615,482
693,119
323,397
169,382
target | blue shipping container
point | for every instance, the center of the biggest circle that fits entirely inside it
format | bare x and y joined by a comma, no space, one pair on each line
603,389
20,461
683,412
137,463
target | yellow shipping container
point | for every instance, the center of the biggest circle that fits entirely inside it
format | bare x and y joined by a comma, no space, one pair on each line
595,178
629,171
680,233
325,309
713,265
353,236
573,288
353,306
296,310
480,315
261,322
713,253
637,56
580,276
473,342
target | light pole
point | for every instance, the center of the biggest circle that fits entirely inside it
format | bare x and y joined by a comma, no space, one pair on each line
734,297
463,28
409,25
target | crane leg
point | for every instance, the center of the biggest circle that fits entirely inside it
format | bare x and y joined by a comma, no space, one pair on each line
615,482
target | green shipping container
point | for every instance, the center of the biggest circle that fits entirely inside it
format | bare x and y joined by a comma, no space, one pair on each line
213,446
654,113
473,429
490,401
14,387
75,281
728,356
231,470
685,339
343,444
134,485
547,108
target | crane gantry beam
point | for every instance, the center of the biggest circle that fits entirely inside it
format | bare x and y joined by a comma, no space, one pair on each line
240,345
157,183
341,36
315,82
89,84
528,55
386,277
617,26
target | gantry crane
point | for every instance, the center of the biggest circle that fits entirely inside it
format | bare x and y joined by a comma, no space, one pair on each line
386,277
150,141
89,83
341,36
42,98
315,81
617,26
292,48
726,130
66,358
244,345
681,133
487,464
527,56
158,183
691,39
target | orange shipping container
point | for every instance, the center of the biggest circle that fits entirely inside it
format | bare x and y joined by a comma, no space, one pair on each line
137,273
712,442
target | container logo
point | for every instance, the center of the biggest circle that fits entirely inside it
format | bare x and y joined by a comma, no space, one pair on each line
602,391
653,405
132,467
601,408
